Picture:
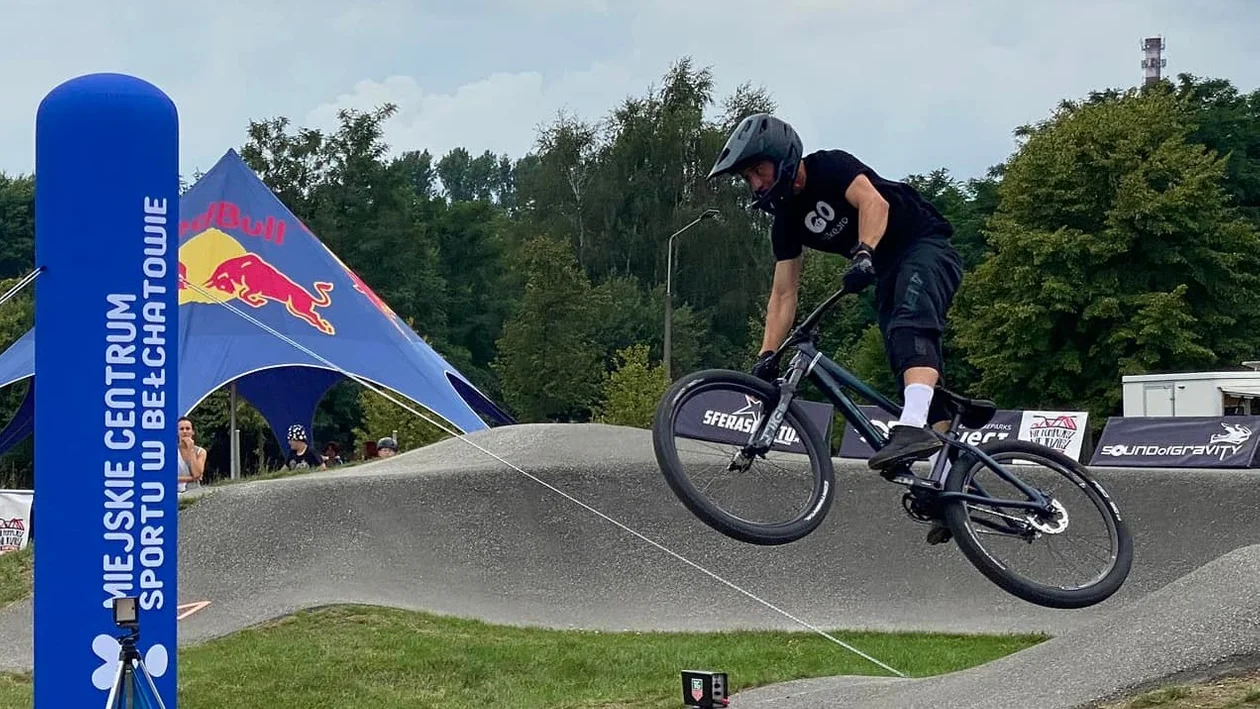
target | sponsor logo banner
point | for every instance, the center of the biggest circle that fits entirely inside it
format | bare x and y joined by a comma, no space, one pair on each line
15,519
1179,442
107,350
729,417
1062,430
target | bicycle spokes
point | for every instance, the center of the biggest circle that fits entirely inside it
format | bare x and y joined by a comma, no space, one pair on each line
1071,546
727,460
763,489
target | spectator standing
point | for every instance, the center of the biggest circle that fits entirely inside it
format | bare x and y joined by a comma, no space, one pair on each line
192,457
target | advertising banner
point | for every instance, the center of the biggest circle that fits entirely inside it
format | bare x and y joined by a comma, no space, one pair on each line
15,519
1179,442
729,417
106,338
1062,430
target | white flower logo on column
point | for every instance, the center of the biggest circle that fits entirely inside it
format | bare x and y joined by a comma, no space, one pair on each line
106,647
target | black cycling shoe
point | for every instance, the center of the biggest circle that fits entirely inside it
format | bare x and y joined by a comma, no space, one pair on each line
905,444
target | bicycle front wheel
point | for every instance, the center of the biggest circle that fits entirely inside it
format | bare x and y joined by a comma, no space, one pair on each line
703,423
1076,557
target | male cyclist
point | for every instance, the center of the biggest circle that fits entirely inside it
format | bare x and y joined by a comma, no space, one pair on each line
830,201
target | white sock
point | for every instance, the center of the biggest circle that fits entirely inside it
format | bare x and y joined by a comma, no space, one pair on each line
915,411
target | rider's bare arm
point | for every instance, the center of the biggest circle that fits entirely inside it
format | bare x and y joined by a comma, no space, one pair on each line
872,210
781,310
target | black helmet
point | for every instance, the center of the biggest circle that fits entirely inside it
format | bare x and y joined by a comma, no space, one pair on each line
761,136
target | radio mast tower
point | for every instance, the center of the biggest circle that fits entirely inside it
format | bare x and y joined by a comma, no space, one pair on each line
1152,49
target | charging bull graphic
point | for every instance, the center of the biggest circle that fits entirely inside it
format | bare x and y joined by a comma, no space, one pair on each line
213,265
256,282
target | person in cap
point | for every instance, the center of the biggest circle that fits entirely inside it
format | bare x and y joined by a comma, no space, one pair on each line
895,239
301,455
387,447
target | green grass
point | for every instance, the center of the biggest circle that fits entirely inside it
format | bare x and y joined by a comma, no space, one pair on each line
353,656
16,569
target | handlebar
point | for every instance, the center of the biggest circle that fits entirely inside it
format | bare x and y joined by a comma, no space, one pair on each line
803,331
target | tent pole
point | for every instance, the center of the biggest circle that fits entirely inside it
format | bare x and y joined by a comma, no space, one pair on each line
234,445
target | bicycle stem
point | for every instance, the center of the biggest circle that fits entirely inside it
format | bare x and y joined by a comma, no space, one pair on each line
804,331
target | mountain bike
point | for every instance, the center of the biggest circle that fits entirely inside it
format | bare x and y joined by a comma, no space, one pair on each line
765,422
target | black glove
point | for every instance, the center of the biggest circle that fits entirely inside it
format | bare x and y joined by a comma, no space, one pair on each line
766,367
861,272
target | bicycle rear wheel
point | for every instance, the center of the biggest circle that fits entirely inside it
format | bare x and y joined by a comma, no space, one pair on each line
701,425
1101,539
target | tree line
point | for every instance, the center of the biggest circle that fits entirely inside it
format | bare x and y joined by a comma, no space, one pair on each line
1122,236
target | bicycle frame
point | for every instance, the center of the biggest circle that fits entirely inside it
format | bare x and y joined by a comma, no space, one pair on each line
810,363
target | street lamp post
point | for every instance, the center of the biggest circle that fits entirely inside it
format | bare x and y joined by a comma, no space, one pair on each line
669,285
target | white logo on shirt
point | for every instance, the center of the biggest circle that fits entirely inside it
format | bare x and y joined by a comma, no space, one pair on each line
817,219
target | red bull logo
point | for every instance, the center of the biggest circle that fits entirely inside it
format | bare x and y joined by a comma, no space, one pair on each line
256,282
218,265
227,215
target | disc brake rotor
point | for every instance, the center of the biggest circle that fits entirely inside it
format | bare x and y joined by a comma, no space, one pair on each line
1050,525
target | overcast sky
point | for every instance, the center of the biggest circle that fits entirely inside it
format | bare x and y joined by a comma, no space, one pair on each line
907,85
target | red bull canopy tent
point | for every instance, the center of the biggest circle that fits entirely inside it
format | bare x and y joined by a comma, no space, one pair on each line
239,245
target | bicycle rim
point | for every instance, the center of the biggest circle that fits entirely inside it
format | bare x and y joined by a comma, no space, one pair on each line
702,424
1077,557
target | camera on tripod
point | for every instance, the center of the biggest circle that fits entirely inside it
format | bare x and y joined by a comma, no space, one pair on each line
132,680
126,613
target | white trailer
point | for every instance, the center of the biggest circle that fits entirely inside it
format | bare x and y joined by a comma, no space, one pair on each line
1194,393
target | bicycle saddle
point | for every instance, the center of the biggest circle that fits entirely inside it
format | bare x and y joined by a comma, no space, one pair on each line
974,413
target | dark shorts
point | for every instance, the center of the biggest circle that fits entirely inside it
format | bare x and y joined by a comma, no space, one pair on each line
913,299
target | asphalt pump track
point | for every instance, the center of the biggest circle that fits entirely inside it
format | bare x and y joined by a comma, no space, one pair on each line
448,529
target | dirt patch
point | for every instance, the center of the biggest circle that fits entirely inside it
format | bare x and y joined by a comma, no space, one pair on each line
1240,690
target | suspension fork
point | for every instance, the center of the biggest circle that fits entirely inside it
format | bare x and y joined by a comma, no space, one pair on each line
764,435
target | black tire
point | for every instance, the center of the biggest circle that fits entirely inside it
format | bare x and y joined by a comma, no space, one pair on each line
955,514
816,448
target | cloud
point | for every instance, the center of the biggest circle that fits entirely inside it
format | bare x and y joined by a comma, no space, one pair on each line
501,113
908,85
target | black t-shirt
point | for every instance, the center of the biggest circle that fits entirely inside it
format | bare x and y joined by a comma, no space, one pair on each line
308,459
821,218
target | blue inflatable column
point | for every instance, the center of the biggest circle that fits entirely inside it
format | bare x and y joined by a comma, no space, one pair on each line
106,328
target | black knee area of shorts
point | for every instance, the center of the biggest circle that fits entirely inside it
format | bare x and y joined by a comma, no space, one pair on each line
913,347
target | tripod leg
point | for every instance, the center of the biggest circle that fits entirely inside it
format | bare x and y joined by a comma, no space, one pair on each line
115,692
148,679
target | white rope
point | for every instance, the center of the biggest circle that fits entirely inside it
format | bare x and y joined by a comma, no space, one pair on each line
17,288
545,484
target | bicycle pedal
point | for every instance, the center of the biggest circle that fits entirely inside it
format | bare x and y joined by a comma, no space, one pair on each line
905,477
895,474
